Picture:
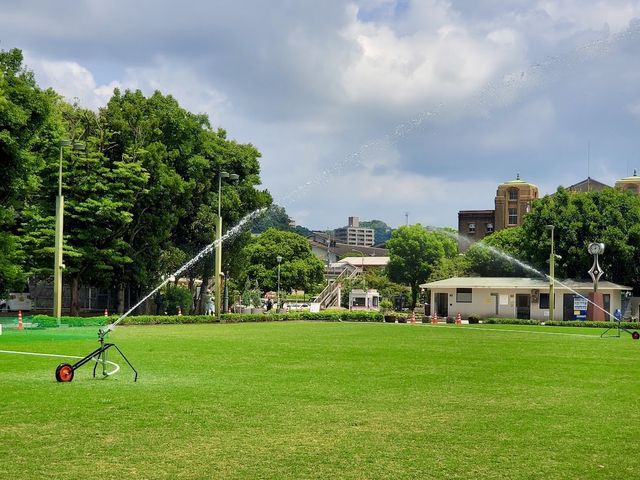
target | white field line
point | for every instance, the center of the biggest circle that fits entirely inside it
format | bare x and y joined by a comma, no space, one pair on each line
484,329
522,331
117,367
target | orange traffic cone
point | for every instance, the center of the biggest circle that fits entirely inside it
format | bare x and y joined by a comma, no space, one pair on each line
434,318
179,311
106,312
20,324
458,319
413,317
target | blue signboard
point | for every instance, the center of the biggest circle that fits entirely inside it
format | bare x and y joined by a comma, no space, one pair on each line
579,308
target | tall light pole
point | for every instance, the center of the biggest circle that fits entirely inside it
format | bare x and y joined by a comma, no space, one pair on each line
58,266
279,259
218,273
552,273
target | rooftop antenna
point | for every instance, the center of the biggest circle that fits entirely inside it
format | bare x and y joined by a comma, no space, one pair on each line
588,165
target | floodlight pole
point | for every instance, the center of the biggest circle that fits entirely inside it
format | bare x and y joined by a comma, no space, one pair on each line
58,266
279,259
218,272
552,273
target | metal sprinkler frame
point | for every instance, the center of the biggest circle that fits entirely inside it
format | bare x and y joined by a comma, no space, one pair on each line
66,371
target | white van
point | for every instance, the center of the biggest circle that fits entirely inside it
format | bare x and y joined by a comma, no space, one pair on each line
15,302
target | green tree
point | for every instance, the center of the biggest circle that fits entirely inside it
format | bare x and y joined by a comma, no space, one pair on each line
275,217
99,197
25,125
414,254
498,255
300,269
178,211
611,216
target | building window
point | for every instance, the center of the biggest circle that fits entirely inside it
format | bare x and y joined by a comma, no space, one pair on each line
513,194
544,301
489,227
513,216
472,228
463,295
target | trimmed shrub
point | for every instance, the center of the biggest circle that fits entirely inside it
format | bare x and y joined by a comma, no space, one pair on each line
324,316
474,319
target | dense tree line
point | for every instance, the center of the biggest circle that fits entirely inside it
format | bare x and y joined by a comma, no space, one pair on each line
140,199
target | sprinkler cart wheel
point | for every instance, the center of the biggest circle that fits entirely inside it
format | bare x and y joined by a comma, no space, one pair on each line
64,372
635,335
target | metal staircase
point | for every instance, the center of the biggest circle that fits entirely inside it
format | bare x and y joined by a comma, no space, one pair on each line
330,295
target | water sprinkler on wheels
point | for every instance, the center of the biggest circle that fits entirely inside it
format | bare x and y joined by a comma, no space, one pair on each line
66,371
596,272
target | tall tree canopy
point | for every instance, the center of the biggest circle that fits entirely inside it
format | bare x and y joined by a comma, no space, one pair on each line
611,216
415,253
25,125
141,199
300,268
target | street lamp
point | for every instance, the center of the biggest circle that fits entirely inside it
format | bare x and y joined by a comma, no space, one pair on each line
218,273
279,259
58,266
364,282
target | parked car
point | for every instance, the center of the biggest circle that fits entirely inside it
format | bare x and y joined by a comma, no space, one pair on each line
296,306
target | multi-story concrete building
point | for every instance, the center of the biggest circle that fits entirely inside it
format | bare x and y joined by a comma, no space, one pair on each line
354,234
512,202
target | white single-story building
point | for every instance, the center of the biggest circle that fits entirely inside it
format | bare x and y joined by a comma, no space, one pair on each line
360,299
525,298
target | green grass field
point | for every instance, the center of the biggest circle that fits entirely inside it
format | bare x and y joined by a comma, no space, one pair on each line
324,400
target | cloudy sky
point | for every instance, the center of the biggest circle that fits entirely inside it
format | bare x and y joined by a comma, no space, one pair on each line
370,108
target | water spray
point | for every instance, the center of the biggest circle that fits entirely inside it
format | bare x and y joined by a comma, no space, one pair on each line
65,371
525,266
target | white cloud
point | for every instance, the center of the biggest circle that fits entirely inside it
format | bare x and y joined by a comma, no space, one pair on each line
595,15
439,98
71,80
447,63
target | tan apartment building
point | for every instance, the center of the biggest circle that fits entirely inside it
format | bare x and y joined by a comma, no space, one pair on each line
354,234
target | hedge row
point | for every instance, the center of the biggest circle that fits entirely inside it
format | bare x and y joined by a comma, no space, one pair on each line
45,321
561,323
323,316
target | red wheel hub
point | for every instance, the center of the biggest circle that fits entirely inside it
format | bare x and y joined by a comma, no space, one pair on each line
64,372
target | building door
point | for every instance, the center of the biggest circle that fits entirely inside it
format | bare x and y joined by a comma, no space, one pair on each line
496,298
567,306
606,304
523,306
442,304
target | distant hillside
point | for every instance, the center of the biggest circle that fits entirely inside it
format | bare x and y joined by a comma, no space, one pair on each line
381,229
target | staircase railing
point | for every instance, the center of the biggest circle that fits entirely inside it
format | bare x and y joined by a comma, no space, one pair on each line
329,295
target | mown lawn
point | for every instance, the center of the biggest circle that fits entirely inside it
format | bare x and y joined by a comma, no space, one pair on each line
324,400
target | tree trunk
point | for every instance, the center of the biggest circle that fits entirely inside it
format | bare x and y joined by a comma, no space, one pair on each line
414,295
74,308
120,298
203,288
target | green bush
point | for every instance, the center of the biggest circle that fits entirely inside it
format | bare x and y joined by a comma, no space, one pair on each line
176,296
324,316
393,317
